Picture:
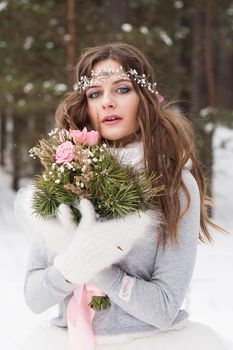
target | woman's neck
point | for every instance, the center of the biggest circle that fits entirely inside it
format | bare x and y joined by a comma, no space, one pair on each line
122,142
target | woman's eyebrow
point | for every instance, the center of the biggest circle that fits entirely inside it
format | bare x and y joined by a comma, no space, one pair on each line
120,80
93,86
114,82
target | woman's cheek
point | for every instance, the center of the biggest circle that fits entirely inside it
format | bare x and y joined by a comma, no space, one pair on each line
91,115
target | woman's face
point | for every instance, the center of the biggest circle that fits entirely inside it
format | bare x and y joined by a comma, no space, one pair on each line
112,102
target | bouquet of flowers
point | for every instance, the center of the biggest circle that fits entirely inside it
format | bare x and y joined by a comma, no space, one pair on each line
77,166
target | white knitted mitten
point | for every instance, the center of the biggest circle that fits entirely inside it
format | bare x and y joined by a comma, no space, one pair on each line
96,244
56,233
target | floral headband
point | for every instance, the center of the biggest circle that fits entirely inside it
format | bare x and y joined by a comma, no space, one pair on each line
104,75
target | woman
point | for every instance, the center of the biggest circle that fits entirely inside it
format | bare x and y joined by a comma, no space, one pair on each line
147,277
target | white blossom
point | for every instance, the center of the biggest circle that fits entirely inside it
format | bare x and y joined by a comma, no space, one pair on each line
69,166
53,132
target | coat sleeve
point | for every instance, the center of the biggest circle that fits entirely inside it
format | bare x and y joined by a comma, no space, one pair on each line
44,285
158,301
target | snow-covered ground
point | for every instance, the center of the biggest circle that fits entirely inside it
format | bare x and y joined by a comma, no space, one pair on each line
210,297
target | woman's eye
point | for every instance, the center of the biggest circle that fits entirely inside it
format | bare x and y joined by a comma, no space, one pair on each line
123,90
94,94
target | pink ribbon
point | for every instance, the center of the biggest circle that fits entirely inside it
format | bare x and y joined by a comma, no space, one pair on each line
80,316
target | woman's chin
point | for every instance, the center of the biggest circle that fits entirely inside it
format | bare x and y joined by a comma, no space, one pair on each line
113,136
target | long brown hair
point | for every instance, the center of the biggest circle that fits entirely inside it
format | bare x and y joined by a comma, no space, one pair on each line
167,135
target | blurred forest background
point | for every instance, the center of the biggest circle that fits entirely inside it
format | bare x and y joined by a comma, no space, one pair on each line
189,42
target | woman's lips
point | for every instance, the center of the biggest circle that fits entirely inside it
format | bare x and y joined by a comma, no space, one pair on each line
111,119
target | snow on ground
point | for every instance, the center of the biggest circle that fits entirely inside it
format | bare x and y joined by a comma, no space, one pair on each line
210,296
16,320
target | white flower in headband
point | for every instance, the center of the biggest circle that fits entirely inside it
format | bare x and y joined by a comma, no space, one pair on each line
143,82
104,74
83,83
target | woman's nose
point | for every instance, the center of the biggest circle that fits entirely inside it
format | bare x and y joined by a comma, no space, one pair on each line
108,101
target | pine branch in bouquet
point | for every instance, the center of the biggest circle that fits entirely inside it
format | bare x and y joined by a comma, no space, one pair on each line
49,195
118,190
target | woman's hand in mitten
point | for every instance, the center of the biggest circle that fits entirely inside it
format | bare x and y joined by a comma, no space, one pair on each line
98,244
55,232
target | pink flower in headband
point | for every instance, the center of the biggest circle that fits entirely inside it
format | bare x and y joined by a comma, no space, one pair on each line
160,98
85,137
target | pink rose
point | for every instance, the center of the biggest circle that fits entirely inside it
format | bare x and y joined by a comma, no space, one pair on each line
85,137
64,152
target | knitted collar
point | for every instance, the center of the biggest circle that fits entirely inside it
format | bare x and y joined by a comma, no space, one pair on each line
131,154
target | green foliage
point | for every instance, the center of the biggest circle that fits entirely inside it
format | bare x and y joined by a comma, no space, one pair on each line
118,190
49,196
99,303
